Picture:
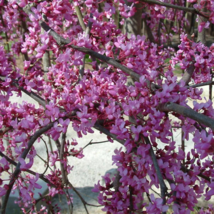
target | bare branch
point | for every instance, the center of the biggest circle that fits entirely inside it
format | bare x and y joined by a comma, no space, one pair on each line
90,143
82,199
47,156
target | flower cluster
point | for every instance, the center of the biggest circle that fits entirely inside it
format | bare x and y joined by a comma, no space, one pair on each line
99,96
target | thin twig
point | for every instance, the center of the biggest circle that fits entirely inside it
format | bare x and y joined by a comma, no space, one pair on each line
81,198
90,143
47,156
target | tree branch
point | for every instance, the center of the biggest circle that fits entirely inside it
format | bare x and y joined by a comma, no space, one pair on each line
80,18
157,169
177,7
188,74
107,132
61,41
202,84
23,155
187,112
41,176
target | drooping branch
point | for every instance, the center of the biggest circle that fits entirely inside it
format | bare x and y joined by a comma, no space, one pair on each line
177,7
61,157
187,112
157,169
61,41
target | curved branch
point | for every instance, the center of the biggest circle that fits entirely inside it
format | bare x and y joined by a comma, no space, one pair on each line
107,132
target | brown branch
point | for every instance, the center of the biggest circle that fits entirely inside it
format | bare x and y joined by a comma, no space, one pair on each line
187,112
177,7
